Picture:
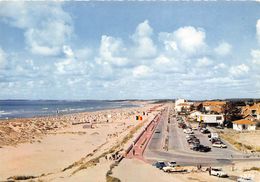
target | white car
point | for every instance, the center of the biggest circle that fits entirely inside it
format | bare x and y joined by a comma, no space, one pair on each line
219,145
188,131
245,179
168,169
190,136
216,171
171,164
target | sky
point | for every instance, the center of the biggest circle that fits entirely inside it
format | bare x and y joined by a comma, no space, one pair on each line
129,50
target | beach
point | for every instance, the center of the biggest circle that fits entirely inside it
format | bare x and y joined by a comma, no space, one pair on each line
50,148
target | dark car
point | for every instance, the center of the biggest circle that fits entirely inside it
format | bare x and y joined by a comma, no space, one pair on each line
159,164
214,140
204,148
204,131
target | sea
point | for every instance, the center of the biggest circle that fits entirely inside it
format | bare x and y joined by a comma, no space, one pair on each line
35,108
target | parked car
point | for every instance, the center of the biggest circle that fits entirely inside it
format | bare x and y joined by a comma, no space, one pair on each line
245,179
214,140
168,169
216,171
171,164
157,131
188,131
200,148
204,148
219,145
159,164
190,136
204,131
174,169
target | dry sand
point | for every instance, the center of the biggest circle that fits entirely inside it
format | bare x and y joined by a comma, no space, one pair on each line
62,143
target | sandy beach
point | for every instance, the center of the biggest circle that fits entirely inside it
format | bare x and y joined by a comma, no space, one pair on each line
51,148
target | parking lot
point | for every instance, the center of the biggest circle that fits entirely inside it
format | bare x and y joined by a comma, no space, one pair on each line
178,142
179,150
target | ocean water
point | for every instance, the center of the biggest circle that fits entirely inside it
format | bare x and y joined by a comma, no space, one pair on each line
32,108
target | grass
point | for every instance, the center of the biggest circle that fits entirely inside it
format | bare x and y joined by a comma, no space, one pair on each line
253,169
95,161
21,177
112,179
229,137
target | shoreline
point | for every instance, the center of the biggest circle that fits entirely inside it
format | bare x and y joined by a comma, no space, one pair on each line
132,104
66,144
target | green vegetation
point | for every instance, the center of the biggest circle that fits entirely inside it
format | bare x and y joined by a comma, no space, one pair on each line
253,169
112,179
95,161
21,177
229,137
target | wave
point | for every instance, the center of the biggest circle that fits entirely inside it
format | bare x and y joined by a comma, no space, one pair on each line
4,113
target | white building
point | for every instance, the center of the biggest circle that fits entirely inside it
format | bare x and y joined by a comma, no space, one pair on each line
182,104
195,114
211,118
243,125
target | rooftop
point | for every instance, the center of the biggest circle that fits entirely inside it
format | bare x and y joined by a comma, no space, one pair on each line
244,121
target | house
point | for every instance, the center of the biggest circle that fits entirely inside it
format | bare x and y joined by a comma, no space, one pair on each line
244,124
194,114
214,106
211,118
253,111
182,105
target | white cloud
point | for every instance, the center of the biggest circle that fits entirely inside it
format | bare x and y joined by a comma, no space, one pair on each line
145,47
239,70
223,49
2,58
258,30
110,51
255,56
204,62
162,60
141,71
188,40
220,66
47,27
68,51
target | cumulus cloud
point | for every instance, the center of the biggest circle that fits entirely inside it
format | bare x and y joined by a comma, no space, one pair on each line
189,40
223,49
239,70
145,47
47,27
141,71
110,51
72,64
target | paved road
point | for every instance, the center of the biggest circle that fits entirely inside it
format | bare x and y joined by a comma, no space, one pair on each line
158,136
179,151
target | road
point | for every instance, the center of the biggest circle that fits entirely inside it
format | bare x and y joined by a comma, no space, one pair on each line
178,148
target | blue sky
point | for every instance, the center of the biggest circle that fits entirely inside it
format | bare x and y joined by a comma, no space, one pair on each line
129,50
